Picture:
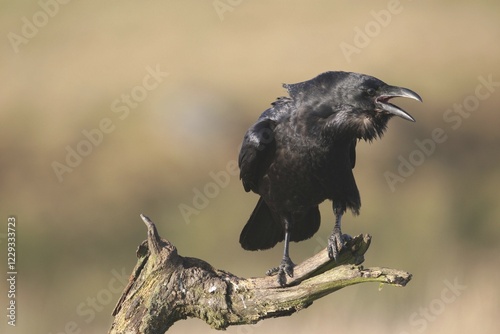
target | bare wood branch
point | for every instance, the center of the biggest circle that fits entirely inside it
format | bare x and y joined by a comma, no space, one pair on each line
165,287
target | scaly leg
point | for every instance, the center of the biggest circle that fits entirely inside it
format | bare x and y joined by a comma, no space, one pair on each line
337,239
286,266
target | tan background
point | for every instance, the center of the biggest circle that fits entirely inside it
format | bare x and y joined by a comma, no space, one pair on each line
226,65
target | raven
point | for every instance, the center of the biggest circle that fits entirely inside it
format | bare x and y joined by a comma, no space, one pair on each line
301,151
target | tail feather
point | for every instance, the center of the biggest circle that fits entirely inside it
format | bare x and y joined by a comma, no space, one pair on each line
263,230
305,225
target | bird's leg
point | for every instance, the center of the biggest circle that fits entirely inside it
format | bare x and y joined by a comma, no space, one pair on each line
286,266
337,239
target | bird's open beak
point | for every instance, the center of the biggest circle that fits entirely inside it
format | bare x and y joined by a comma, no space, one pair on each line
389,92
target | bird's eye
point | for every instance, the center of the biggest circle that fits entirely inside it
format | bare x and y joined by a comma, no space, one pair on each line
370,92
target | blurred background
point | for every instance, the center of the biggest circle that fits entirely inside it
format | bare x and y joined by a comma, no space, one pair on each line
113,109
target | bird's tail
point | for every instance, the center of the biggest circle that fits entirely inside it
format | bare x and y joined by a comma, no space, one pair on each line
305,225
263,230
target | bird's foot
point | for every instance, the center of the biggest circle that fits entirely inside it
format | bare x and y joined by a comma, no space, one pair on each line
336,242
285,268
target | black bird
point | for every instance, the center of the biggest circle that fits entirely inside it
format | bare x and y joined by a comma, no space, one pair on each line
301,151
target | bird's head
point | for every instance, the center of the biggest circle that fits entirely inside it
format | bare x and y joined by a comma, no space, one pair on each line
349,103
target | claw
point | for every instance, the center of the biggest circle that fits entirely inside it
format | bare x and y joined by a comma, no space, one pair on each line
336,243
285,268
337,240
272,271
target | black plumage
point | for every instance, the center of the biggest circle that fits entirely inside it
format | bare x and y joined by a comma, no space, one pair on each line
301,151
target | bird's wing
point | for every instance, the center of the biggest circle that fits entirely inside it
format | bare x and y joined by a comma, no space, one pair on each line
256,150
258,145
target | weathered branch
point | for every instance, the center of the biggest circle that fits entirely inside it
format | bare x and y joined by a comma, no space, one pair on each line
165,287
